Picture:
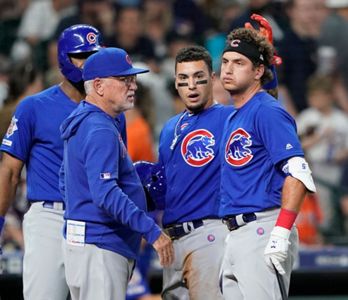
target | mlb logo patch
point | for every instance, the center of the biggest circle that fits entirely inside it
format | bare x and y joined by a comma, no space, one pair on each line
105,175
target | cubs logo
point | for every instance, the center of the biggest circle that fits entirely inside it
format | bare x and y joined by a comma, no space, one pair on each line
235,43
91,37
12,128
128,59
237,152
196,148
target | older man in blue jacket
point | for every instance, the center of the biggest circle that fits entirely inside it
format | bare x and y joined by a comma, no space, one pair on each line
105,202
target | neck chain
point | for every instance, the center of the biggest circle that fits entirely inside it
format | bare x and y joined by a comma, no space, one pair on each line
178,130
177,126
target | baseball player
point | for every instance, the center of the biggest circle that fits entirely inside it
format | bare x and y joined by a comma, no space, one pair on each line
189,152
33,139
104,198
264,176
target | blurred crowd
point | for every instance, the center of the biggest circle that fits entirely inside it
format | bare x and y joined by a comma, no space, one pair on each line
310,36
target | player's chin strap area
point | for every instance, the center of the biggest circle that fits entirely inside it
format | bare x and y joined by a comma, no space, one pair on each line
298,168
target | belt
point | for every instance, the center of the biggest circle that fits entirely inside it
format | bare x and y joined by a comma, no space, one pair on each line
54,205
234,222
177,231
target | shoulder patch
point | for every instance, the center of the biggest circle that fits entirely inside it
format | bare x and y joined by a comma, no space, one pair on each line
12,128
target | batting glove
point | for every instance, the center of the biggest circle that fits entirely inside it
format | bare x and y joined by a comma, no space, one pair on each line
277,248
265,29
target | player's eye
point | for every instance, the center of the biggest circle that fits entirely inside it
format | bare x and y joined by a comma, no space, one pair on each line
182,78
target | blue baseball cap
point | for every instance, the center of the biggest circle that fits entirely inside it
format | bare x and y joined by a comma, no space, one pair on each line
109,62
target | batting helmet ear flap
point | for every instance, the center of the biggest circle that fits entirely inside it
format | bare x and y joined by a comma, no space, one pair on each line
77,39
153,179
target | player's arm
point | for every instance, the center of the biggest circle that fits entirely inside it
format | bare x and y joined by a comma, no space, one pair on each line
108,195
293,194
296,184
10,171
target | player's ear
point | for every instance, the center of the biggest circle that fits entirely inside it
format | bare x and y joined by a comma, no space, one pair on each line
260,70
213,76
98,86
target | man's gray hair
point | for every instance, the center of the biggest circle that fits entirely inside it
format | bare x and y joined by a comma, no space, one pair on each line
88,86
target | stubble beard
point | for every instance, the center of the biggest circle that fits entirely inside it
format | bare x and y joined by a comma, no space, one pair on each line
195,108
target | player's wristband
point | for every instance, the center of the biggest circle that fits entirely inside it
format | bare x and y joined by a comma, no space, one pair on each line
286,218
2,222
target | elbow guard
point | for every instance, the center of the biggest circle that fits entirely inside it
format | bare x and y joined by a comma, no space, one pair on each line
298,168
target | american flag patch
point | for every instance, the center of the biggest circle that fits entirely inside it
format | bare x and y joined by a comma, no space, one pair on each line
105,175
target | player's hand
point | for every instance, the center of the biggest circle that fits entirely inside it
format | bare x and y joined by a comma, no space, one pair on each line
277,248
164,248
265,28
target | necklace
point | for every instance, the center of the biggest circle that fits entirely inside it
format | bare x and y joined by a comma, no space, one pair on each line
178,129
176,133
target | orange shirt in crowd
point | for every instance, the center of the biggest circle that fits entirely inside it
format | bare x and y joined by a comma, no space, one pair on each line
308,221
139,140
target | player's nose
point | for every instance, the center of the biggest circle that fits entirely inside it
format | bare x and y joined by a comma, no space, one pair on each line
191,83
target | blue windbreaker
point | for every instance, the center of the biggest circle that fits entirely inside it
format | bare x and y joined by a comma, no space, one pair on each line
101,184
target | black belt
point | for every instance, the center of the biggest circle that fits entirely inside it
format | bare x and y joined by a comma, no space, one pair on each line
234,222
54,205
177,231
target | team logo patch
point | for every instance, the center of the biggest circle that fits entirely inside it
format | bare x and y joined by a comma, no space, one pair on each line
237,152
91,37
260,231
211,237
183,126
196,148
12,128
128,59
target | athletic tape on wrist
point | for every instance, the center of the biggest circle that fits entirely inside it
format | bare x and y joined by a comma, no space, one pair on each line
286,218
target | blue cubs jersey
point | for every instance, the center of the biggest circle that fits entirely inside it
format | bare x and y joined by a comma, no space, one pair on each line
257,138
189,150
101,184
34,138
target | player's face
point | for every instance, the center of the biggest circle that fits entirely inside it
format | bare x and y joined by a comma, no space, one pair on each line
194,85
120,93
238,73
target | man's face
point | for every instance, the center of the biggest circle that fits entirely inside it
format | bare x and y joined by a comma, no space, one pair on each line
194,85
237,73
119,93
